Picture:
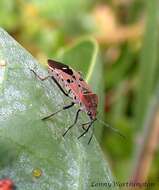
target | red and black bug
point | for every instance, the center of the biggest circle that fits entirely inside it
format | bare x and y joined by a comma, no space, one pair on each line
6,184
74,86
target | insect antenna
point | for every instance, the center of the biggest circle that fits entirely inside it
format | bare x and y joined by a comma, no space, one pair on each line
112,128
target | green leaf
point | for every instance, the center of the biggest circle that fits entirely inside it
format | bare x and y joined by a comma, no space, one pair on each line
27,142
149,66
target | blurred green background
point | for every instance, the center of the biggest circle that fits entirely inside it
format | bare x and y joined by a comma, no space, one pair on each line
127,34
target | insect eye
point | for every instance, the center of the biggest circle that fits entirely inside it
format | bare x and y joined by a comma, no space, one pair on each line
89,113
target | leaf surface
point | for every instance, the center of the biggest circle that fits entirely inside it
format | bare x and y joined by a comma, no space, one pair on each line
28,143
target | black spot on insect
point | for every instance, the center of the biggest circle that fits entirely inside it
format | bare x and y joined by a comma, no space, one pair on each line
81,79
73,76
68,80
79,85
75,97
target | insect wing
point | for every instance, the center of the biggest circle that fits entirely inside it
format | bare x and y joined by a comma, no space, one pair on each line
57,65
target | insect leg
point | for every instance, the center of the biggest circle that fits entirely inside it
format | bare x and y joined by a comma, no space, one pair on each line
86,130
64,108
92,131
91,135
44,78
39,77
75,121
83,124
62,90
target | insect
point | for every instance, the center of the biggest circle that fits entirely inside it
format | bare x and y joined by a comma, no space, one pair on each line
6,184
72,84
